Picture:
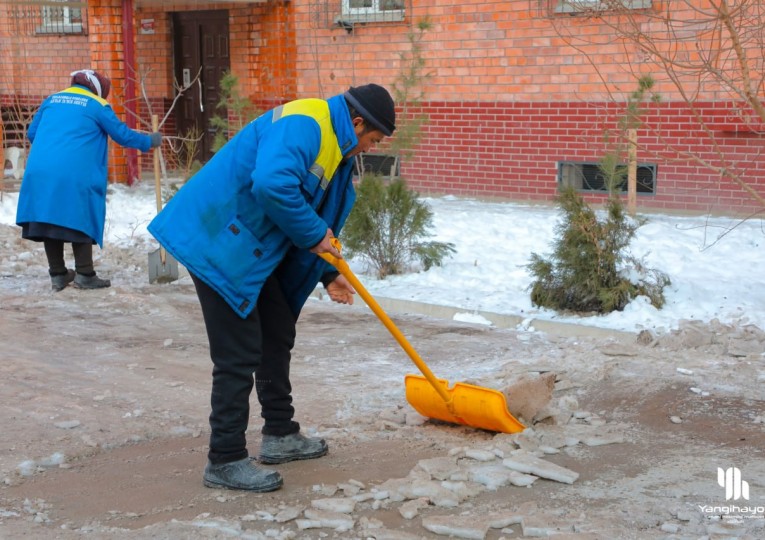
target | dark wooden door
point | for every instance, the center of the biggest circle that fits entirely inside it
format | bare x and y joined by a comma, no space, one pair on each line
201,47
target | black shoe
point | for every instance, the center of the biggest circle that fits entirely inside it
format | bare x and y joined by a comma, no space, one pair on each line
242,474
59,282
81,281
281,449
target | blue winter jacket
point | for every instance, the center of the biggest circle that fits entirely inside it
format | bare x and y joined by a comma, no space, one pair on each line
66,172
262,201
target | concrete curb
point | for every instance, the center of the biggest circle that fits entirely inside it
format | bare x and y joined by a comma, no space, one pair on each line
499,320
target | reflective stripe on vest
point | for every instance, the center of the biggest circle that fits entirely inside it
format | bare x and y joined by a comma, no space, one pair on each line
83,92
330,153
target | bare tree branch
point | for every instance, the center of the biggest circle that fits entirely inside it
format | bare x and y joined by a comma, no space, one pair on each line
696,51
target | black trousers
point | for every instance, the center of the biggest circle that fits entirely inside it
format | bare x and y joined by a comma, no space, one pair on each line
246,352
83,257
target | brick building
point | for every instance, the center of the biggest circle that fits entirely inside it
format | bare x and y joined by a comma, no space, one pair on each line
519,96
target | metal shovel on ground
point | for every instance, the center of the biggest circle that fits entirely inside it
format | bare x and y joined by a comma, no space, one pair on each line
464,403
163,268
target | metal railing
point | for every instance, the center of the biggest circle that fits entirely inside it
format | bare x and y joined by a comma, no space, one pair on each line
34,17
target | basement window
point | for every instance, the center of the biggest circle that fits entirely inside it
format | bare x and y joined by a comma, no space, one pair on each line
589,177
573,7
363,11
385,165
61,17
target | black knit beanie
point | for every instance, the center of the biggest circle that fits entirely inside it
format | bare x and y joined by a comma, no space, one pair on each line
374,104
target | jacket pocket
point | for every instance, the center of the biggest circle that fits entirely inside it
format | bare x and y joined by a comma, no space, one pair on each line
235,253
312,188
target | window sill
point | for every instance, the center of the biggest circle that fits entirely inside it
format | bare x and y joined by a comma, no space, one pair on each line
587,6
47,30
378,17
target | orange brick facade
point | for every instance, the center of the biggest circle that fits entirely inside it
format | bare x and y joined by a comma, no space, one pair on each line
507,95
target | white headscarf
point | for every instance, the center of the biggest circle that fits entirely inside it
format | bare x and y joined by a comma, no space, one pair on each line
91,75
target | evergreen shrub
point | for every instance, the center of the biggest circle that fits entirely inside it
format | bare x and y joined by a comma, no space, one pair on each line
590,269
387,226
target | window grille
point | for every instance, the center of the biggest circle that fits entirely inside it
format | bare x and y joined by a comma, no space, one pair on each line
589,177
61,17
382,164
371,11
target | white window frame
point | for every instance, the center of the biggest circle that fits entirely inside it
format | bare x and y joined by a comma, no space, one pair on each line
586,6
63,26
371,14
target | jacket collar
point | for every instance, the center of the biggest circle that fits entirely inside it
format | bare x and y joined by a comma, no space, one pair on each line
341,122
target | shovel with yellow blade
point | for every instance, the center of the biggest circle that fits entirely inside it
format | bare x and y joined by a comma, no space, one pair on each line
464,403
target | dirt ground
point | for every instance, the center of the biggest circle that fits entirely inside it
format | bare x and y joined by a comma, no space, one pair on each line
105,397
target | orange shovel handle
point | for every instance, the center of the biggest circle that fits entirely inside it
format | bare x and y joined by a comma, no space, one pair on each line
345,270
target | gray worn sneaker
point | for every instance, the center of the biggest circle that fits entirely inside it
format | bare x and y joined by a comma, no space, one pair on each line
242,474
59,283
281,449
90,282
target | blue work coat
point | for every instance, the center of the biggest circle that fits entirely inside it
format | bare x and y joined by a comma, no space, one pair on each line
65,178
263,201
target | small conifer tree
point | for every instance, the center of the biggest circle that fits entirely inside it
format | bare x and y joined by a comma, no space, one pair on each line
408,92
387,226
389,221
239,110
590,269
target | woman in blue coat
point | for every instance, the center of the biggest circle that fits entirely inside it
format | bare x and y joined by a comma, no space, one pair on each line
248,227
63,193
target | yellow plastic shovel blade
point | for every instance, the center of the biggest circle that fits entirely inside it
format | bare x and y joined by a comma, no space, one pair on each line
474,406
466,404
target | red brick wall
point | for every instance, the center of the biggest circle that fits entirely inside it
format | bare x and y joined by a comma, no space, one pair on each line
153,73
39,64
108,52
262,51
511,150
261,41
32,65
154,67
508,96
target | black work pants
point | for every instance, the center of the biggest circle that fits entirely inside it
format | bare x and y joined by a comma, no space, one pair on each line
83,257
259,345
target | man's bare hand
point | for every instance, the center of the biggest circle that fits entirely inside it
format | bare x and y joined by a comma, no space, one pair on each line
325,246
341,291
